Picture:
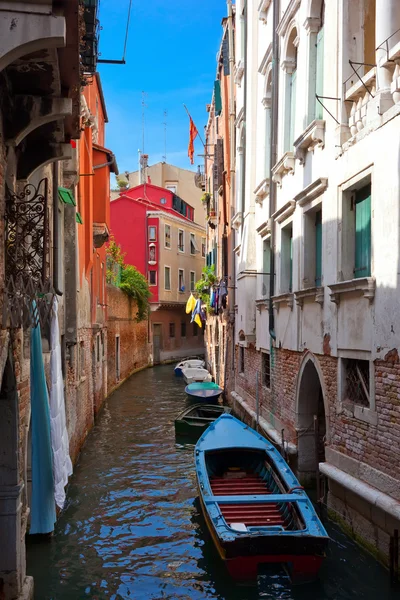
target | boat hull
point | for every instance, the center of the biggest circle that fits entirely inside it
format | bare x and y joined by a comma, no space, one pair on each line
190,426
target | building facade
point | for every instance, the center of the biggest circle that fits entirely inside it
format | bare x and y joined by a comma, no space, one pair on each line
317,253
157,231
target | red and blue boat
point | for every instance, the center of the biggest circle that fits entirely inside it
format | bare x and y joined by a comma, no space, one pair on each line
255,508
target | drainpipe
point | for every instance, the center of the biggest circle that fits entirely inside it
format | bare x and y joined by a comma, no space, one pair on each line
243,180
273,157
56,231
232,143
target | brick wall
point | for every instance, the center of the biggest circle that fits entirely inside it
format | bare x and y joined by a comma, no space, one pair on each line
178,345
133,338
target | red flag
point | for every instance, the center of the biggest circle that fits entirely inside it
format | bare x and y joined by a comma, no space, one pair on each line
193,133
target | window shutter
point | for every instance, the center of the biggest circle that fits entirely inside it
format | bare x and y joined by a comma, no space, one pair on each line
318,248
362,267
217,97
225,55
292,109
291,264
319,73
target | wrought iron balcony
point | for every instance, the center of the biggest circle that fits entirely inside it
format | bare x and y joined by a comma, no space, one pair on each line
89,52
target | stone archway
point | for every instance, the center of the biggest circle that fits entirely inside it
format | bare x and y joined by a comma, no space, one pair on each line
310,407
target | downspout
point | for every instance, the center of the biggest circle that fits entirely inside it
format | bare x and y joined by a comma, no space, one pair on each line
232,143
56,231
273,158
243,179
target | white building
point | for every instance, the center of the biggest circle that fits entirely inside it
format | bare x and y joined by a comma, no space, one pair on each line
329,213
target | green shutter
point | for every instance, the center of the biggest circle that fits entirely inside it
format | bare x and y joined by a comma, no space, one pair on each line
217,97
266,267
292,109
66,196
78,219
363,233
318,248
319,74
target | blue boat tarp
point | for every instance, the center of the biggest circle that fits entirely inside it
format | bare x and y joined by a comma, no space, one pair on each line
204,390
232,433
43,511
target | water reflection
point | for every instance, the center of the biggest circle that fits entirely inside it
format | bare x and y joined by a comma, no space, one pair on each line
132,526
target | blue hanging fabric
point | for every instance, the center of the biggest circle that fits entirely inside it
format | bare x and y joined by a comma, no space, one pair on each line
43,511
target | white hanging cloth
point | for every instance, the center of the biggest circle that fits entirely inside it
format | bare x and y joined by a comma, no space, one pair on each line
62,465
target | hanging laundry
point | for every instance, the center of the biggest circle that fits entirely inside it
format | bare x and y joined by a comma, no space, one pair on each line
196,313
190,304
62,465
223,294
212,298
43,508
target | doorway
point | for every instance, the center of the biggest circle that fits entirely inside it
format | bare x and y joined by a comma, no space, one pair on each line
156,343
310,421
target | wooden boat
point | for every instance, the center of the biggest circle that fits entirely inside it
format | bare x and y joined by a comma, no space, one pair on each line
192,374
188,363
193,421
204,390
254,506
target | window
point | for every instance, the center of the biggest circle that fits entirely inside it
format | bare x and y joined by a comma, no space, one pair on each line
181,280
290,66
362,263
152,234
192,280
172,187
319,65
241,359
312,259
152,277
318,248
286,259
167,236
203,247
356,245
181,240
167,278
193,245
266,268
315,26
356,385
195,327
172,330
183,329
265,369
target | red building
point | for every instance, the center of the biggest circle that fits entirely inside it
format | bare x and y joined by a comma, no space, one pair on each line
156,230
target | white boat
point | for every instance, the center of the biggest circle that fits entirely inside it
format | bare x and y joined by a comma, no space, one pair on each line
188,363
192,374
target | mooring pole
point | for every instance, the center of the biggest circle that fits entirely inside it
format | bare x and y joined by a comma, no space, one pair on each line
257,401
318,482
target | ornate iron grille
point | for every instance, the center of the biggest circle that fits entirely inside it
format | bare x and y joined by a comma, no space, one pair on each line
27,257
357,381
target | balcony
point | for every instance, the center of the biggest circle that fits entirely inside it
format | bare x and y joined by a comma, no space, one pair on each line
89,52
360,95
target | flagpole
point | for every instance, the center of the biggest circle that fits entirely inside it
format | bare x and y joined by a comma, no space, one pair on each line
200,138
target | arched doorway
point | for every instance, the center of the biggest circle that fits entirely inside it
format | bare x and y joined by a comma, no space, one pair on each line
310,420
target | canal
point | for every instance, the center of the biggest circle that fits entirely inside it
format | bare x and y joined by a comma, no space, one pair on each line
132,528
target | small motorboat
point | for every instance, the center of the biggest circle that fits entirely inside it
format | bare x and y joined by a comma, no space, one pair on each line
193,421
192,374
254,506
204,390
188,363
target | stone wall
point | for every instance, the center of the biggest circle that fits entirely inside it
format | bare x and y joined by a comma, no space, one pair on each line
133,338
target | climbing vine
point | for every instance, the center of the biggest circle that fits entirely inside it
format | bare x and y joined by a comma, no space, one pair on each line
203,285
127,278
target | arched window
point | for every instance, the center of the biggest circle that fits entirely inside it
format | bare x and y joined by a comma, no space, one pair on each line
314,25
290,67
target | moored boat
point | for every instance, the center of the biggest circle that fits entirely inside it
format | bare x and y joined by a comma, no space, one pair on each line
188,363
193,421
192,374
206,391
254,506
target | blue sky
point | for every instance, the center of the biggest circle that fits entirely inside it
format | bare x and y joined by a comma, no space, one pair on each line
171,55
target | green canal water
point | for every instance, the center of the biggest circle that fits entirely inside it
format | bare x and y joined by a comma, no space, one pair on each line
132,528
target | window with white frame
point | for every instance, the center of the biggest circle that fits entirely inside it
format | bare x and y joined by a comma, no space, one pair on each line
152,233
193,246
167,278
181,280
267,106
192,280
203,247
265,278
290,67
265,369
312,248
286,270
167,236
181,240
356,232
